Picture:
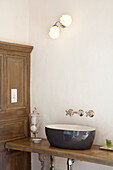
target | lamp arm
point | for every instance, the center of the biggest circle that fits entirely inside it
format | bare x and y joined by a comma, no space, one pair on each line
58,24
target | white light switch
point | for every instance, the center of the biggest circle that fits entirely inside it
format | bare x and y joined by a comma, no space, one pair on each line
13,95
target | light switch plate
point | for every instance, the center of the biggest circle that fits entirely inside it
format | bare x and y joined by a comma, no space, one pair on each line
13,95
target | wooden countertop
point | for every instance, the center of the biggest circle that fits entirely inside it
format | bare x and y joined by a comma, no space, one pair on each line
94,154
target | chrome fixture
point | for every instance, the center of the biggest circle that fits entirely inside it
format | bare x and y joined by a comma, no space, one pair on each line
80,112
65,21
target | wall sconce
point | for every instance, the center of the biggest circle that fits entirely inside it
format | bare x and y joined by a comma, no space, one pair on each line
65,21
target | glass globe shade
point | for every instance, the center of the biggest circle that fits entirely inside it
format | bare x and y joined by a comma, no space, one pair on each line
66,20
54,32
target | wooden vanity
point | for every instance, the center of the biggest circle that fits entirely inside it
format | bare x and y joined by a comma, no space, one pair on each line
94,155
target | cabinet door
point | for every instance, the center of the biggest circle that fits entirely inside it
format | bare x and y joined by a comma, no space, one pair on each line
14,118
1,80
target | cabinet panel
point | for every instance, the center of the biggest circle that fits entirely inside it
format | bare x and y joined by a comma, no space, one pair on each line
16,77
13,130
14,160
1,72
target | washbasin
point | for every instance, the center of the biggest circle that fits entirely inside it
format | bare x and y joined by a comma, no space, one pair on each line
70,136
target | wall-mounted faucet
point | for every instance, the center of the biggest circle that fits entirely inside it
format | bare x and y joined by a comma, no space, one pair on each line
80,112
71,112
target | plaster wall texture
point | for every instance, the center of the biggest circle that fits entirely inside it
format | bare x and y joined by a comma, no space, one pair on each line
74,71
14,21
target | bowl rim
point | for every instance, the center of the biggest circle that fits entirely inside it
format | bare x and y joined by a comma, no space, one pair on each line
70,127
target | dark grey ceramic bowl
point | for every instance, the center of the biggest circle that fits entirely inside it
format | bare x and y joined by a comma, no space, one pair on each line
70,136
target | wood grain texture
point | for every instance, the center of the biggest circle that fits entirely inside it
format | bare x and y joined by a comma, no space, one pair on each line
15,47
16,77
94,155
14,160
14,74
1,79
11,130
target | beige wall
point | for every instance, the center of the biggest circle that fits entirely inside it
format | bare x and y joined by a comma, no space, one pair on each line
75,71
14,21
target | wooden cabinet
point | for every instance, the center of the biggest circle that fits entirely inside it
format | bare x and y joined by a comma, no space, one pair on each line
14,124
